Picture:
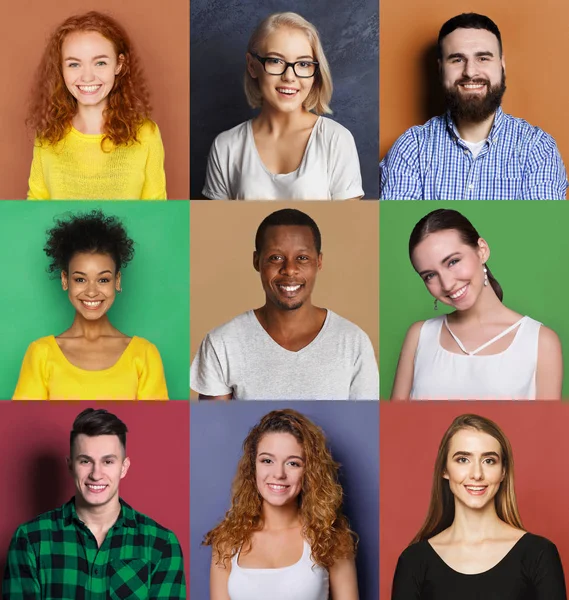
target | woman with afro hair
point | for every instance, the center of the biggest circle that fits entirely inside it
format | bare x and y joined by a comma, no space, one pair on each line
285,535
92,360
90,113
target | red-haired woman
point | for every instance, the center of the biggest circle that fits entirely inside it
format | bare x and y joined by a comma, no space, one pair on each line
90,114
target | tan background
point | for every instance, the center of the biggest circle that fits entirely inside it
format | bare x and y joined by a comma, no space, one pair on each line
536,46
223,282
160,34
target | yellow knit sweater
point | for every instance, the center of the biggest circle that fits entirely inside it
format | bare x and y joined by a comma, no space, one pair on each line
77,168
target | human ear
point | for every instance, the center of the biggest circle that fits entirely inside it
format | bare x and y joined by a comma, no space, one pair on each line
64,281
118,282
125,466
320,261
256,261
251,65
120,63
483,250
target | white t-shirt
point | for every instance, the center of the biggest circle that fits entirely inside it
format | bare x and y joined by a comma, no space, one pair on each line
443,375
329,170
475,147
302,581
241,358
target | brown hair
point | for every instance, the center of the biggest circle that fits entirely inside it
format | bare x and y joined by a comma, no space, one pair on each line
441,507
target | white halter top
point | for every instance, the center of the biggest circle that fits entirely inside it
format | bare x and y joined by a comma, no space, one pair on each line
302,581
508,375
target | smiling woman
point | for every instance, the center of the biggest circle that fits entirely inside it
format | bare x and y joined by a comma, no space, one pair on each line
483,350
289,151
91,360
91,118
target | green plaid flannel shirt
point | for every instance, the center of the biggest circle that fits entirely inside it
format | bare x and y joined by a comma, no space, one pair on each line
55,557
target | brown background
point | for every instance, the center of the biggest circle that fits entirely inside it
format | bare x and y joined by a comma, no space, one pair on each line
160,34
536,47
224,284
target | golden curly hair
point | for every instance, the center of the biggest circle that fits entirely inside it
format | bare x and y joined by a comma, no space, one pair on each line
52,107
320,501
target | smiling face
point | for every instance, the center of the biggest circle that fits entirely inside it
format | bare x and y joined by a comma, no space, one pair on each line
280,464
286,92
474,468
97,465
91,283
453,271
90,66
473,73
288,263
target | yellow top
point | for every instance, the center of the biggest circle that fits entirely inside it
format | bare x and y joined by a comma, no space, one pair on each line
77,168
47,375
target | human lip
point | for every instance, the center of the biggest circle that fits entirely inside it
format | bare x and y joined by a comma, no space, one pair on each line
473,86
277,488
287,91
96,488
289,289
458,294
89,89
476,490
91,304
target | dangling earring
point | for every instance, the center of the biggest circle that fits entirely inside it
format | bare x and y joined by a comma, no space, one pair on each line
485,275
436,305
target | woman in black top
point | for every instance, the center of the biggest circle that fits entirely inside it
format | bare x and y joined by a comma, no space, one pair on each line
472,545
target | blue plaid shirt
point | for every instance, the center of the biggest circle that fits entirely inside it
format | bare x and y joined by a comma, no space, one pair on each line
431,162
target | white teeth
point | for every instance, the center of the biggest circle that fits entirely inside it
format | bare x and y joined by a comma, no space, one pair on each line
287,91
473,86
89,88
475,489
96,487
290,288
91,304
277,487
458,293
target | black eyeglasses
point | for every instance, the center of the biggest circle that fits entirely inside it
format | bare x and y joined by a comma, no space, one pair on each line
277,66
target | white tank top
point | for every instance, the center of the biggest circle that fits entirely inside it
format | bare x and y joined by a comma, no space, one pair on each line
508,375
302,581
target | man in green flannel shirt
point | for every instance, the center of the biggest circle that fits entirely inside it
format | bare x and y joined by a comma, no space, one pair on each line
95,547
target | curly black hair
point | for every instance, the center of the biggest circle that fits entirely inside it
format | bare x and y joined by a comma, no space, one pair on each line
87,232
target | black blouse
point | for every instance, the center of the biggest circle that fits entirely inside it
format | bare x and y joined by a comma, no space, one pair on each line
531,570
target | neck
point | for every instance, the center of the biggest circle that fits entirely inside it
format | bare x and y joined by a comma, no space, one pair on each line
280,517
98,518
277,122
275,318
91,330
475,132
89,119
484,310
475,525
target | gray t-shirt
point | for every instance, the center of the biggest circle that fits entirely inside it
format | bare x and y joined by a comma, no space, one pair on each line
240,357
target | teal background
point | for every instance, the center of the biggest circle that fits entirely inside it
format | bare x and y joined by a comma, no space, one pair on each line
529,256
156,283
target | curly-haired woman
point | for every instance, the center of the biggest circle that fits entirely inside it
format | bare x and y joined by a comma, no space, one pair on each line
285,535
92,360
90,113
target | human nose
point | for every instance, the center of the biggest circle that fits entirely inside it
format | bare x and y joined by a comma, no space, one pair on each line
446,281
289,73
92,289
288,267
87,74
95,471
279,471
470,69
476,471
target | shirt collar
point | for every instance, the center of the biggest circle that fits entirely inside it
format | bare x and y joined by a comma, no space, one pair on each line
496,126
127,516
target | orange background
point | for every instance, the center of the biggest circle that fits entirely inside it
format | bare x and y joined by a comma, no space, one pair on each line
161,39
536,47
224,284
409,438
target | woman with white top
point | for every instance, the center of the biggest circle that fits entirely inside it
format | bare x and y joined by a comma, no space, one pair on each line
285,535
288,151
483,350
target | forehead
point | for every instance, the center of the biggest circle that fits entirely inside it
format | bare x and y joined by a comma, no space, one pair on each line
470,41
91,262
299,236
86,44
288,41
280,444
97,446
472,440
436,246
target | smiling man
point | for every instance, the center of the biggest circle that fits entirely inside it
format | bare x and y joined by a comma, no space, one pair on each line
288,349
474,151
95,546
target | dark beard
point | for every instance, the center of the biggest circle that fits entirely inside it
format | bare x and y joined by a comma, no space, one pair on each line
475,109
284,306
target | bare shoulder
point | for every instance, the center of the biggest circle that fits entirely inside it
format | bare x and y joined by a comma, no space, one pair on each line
548,340
412,335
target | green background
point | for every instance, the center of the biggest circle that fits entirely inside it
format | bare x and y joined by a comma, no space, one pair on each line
155,299
529,256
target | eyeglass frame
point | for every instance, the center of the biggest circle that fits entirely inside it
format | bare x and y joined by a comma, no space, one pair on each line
264,59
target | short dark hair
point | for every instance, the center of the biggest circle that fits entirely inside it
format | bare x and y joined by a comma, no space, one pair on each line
93,422
288,216
87,232
468,21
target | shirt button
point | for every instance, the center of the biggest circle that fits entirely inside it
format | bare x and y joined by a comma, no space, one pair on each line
471,186
96,571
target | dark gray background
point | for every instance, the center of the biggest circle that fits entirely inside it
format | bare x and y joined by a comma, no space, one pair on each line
217,432
220,30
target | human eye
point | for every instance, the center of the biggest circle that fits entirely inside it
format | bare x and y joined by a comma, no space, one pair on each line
428,277
101,63
491,461
303,257
294,463
275,61
275,257
104,280
83,461
79,280
462,460
266,461
73,65
109,461
453,261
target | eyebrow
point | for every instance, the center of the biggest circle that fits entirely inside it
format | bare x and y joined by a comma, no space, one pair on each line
478,54
462,453
94,57
81,272
91,458
443,261
273,456
297,58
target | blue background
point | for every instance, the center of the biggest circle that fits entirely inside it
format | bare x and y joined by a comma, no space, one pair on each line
349,32
217,432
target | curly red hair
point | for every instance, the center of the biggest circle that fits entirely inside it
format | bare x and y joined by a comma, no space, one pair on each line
320,502
52,107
